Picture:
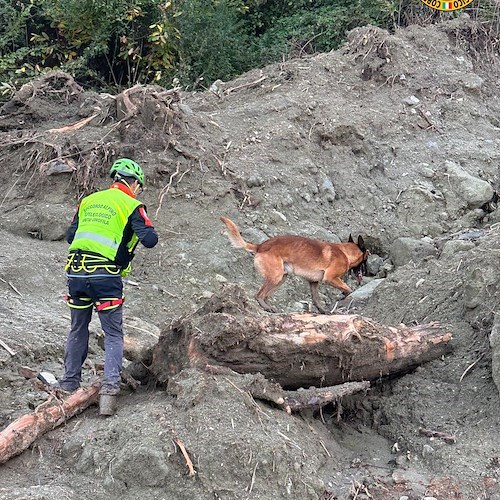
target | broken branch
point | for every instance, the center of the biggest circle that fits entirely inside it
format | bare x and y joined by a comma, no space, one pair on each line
447,438
189,463
7,348
24,431
75,126
245,85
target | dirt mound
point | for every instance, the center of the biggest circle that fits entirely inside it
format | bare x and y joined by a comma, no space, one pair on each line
394,137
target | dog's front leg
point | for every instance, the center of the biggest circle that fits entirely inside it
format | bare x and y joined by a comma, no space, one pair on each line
338,283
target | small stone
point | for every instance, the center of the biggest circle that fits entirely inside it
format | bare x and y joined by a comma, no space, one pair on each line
398,477
185,109
427,450
411,100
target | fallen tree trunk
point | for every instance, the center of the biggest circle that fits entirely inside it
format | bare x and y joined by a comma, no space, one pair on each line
295,350
24,431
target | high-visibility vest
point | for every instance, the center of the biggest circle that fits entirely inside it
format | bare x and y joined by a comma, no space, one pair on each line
102,218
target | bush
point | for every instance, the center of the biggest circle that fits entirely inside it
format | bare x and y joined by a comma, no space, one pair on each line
215,41
117,43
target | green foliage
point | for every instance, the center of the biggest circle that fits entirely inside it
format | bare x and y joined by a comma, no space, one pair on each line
308,27
117,43
13,20
214,41
98,37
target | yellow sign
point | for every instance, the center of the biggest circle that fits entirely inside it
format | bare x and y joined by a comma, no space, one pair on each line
447,6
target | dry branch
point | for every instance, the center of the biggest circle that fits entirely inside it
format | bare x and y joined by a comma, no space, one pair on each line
447,438
74,126
316,398
185,454
7,348
245,85
24,431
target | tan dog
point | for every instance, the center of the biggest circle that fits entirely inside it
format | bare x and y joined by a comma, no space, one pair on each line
314,260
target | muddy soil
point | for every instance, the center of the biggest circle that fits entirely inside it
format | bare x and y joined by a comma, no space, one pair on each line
393,137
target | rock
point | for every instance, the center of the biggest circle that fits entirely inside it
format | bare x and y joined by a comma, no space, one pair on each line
374,264
366,291
427,450
474,191
494,217
327,189
411,100
471,82
186,109
56,166
399,477
475,285
404,250
255,181
470,219
216,188
471,234
218,88
453,247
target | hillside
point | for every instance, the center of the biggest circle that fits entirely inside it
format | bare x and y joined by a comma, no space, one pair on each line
393,137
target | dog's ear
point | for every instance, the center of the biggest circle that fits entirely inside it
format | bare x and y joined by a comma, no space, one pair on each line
361,244
350,240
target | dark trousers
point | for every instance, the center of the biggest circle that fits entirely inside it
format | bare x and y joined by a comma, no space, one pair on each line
84,291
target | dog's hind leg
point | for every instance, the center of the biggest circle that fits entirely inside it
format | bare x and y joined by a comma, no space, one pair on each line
314,285
272,271
268,287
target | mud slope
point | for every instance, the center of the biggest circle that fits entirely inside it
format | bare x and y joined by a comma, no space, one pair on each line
387,137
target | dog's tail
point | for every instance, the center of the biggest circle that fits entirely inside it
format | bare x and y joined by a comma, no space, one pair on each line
235,236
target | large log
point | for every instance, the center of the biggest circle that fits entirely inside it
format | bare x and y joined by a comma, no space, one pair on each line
24,431
295,350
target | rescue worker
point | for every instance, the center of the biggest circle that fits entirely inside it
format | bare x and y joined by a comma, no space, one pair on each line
103,236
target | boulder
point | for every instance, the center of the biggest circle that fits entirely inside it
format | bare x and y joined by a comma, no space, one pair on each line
473,190
404,250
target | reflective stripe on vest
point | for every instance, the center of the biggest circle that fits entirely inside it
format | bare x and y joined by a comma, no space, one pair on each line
98,238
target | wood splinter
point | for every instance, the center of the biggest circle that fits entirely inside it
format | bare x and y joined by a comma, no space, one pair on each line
189,463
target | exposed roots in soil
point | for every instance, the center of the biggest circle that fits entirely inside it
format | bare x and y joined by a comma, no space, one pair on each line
368,41
57,84
45,158
166,188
